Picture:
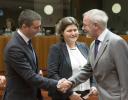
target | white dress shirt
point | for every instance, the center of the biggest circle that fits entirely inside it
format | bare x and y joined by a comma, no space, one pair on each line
25,38
101,37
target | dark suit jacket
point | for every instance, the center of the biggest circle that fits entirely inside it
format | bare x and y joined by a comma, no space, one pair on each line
110,68
23,80
59,64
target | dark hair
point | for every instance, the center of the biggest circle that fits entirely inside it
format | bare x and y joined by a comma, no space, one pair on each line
63,23
10,20
27,16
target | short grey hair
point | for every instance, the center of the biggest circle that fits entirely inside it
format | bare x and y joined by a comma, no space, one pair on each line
97,16
27,16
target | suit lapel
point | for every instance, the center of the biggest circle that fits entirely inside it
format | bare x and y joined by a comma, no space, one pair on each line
33,55
91,54
28,51
30,55
66,54
102,49
81,50
100,52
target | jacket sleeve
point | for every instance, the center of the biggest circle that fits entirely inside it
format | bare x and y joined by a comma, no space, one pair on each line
92,79
19,62
82,76
119,54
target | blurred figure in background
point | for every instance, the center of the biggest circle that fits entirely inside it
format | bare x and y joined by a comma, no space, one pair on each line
9,26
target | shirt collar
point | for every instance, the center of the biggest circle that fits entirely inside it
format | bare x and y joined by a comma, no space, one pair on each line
74,48
102,35
25,38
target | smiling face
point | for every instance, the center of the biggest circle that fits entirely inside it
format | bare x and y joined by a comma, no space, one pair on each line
35,27
89,27
71,34
32,30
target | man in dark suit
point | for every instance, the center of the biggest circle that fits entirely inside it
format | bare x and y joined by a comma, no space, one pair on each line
23,79
110,65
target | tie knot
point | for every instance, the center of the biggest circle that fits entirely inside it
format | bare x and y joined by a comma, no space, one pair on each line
29,42
97,42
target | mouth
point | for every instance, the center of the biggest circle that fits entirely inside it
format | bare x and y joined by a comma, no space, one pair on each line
73,37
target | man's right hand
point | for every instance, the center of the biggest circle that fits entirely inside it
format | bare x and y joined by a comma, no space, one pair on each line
63,85
2,81
75,96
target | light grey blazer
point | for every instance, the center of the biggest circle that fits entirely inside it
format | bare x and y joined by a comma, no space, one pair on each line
110,68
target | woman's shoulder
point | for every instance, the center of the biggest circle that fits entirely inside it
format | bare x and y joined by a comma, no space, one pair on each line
82,44
58,45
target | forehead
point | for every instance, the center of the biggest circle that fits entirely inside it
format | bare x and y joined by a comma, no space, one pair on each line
86,19
71,26
36,23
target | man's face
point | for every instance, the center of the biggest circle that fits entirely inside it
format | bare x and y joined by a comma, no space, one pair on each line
34,28
88,26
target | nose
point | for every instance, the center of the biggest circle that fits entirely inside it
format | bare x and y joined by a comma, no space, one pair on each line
39,29
84,29
74,32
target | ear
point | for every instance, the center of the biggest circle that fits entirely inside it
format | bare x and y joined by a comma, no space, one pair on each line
96,26
24,26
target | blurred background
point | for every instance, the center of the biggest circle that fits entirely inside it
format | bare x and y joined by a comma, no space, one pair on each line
53,10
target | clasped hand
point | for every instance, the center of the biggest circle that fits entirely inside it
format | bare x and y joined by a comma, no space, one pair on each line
2,81
63,85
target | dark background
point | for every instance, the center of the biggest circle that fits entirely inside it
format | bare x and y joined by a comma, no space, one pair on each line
117,22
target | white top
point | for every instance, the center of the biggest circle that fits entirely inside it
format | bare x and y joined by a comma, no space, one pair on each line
77,62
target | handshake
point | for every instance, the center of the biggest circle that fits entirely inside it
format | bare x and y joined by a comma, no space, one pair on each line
64,85
2,81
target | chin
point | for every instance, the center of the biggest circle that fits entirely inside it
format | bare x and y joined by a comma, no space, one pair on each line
73,40
92,35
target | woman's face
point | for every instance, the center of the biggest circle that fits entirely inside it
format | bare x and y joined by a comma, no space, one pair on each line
71,34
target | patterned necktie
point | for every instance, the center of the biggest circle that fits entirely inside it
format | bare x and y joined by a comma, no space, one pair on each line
96,47
33,52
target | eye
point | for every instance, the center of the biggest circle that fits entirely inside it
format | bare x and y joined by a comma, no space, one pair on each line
37,27
69,30
75,30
